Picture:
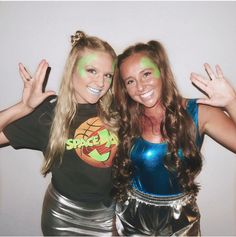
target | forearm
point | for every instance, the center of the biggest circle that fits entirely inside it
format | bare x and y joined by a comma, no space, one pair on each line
13,113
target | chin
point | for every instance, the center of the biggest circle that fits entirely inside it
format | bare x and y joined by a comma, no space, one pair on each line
93,100
150,105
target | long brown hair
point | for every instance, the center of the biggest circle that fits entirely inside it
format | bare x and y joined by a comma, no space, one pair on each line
177,127
66,106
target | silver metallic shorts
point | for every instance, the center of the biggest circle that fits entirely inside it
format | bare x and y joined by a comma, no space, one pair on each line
62,216
144,214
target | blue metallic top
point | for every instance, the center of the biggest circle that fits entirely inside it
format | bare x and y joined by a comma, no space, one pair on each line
149,174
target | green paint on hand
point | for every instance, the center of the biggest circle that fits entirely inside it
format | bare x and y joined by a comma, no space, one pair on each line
148,63
83,62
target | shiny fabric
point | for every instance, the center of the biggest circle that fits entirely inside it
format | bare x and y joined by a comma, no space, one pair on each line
62,216
149,173
148,215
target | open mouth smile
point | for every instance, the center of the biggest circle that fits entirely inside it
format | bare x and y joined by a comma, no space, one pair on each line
146,95
94,91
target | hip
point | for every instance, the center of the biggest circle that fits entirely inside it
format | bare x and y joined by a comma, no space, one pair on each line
62,216
150,215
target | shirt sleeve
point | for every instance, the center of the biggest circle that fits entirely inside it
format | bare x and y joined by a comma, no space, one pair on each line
31,131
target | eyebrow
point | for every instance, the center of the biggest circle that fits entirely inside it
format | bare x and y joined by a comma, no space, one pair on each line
89,65
94,67
129,77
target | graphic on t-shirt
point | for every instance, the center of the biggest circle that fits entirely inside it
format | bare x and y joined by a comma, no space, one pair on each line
93,143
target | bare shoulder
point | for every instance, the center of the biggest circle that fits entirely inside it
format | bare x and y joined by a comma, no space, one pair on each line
206,111
206,114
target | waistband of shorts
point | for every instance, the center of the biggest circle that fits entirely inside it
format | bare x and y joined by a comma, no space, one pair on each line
58,197
179,199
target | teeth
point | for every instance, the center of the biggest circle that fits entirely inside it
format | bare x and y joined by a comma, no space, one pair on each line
145,95
94,91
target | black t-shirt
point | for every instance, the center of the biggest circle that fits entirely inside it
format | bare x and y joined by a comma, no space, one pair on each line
85,172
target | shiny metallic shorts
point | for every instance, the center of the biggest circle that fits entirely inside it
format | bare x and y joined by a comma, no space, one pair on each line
144,214
62,216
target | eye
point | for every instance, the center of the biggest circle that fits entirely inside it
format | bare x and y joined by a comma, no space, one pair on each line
146,74
92,71
109,76
129,82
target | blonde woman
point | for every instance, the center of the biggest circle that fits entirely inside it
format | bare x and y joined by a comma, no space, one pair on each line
73,134
161,135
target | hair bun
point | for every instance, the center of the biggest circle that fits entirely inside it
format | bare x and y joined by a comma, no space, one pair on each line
77,37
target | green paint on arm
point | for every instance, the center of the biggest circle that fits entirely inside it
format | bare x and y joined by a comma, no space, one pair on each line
83,62
148,63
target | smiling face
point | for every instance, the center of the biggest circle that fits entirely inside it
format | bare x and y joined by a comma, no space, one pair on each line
93,76
142,79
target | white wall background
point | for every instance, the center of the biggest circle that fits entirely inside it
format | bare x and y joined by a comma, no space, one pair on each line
193,33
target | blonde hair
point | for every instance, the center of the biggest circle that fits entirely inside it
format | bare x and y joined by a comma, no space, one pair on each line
66,105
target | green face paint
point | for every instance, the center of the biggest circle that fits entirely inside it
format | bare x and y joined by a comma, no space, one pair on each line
85,60
146,62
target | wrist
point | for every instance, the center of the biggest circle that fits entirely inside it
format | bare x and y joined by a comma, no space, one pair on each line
24,108
231,105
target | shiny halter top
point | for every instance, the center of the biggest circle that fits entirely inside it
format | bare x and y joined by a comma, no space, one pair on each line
149,174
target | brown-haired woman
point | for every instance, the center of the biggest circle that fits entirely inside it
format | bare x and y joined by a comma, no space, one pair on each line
160,137
74,133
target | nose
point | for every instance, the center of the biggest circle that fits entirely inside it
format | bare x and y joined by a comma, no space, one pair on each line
140,86
100,80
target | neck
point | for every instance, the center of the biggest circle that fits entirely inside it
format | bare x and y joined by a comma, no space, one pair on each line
151,123
156,111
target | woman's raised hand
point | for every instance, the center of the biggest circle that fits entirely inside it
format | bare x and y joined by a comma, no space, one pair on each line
220,92
33,94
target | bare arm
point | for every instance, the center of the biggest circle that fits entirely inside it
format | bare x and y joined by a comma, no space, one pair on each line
32,96
9,115
217,113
